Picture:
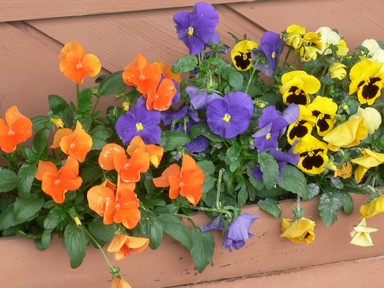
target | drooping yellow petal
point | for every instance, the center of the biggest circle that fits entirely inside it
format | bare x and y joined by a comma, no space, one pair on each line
299,231
372,208
361,234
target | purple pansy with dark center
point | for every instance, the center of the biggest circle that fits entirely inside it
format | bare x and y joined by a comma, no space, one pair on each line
266,54
282,159
139,121
239,231
230,115
197,28
272,125
200,98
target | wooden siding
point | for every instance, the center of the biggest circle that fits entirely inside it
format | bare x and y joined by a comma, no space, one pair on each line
33,32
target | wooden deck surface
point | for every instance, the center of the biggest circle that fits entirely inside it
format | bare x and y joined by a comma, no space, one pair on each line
33,32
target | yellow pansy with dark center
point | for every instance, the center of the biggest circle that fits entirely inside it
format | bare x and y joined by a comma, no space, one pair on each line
296,87
324,109
367,79
241,54
313,155
298,130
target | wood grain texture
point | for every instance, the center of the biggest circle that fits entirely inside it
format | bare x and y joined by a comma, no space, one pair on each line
17,10
356,20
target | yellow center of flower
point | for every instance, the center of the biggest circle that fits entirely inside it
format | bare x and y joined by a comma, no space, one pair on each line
79,65
227,118
11,133
268,136
191,31
139,126
273,55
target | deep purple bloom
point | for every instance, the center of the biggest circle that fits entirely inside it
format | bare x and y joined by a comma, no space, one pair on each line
266,54
197,145
272,125
215,224
230,116
169,115
139,121
200,98
239,231
197,28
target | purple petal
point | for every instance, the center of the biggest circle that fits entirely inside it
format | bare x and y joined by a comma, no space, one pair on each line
215,224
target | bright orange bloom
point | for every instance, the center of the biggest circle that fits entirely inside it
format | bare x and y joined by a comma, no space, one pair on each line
57,182
122,245
186,181
167,71
115,204
15,129
75,64
129,169
141,74
76,143
160,98
154,152
120,282
108,153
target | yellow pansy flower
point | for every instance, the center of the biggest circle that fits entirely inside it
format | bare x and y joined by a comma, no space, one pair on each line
368,160
301,230
294,37
324,109
241,54
338,70
372,208
361,234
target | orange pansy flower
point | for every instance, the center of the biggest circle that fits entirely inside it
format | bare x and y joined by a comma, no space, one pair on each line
115,204
186,181
160,98
75,64
167,71
16,128
57,182
120,282
141,74
129,169
154,152
108,153
76,143
122,245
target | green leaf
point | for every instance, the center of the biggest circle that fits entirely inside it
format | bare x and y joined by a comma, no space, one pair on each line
294,181
101,231
313,191
7,218
232,157
55,216
234,78
8,180
151,228
76,243
46,239
61,108
100,135
27,209
203,129
40,142
330,204
111,84
203,246
84,102
207,166
25,178
185,64
270,206
270,169
176,228
242,191
172,140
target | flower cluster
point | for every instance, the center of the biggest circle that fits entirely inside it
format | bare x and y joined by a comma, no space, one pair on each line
297,115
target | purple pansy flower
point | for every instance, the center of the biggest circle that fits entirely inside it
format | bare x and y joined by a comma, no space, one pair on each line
266,54
272,125
139,121
239,231
215,224
200,98
230,116
197,28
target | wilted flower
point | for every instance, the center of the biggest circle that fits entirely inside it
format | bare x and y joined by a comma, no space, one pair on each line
122,245
373,207
361,234
300,230
239,231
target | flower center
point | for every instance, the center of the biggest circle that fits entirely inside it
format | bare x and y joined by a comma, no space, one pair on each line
227,117
268,136
79,65
139,126
191,30
57,181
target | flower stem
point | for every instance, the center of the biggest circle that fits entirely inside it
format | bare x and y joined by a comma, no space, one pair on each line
218,188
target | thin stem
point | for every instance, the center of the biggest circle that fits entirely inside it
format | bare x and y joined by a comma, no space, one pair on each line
250,77
218,188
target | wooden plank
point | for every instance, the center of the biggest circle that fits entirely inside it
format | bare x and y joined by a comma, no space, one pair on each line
341,274
356,20
17,10
117,38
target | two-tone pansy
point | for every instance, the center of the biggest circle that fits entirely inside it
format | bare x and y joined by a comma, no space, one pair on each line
324,109
241,54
